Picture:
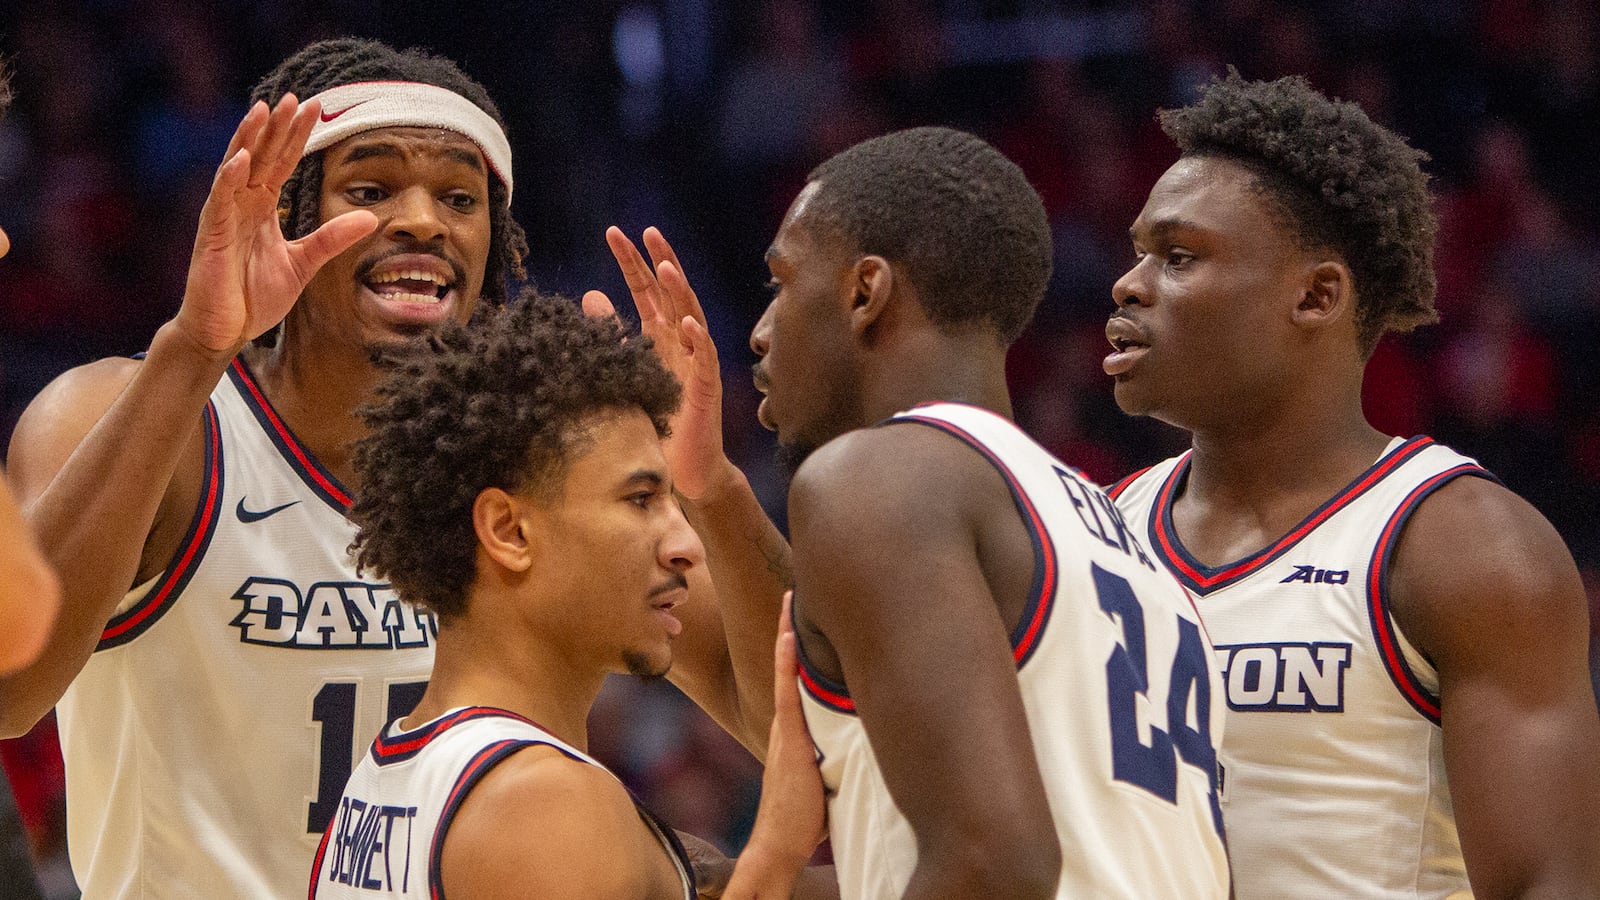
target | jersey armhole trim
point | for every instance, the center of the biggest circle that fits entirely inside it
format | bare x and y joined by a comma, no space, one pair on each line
136,620
1385,632
1041,593
476,768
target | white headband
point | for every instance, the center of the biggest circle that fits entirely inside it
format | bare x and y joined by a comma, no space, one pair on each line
353,108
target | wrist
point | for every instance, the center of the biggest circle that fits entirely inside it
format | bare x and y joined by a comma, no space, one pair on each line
724,481
173,348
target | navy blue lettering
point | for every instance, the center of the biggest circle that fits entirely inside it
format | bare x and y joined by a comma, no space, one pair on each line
329,615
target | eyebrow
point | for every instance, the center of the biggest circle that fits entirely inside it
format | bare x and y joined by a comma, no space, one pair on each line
1163,227
377,149
651,477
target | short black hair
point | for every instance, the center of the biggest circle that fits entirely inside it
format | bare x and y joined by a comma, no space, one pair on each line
963,220
327,64
489,404
1340,180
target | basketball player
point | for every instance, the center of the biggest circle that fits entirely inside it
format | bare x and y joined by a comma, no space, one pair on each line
30,593
1404,639
217,707
1009,698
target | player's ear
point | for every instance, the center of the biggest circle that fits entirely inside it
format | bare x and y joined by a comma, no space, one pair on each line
1328,295
871,282
497,519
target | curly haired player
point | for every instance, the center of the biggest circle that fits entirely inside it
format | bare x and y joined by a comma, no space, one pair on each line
227,662
1404,640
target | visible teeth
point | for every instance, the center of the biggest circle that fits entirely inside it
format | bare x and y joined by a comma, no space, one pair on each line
411,275
408,297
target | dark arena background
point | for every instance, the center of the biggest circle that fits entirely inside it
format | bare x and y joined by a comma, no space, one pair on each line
703,117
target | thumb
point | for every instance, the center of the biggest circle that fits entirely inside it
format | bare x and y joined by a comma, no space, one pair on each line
336,235
596,305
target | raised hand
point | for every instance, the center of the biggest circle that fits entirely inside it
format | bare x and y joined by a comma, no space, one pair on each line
670,315
244,276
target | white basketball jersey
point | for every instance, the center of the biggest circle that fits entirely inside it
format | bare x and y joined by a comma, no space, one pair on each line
1333,771
388,837
208,738
1122,697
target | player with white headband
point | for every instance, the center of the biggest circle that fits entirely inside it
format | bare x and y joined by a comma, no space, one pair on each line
220,661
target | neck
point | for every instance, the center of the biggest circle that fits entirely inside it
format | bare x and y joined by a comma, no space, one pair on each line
485,663
316,392
1310,440
930,366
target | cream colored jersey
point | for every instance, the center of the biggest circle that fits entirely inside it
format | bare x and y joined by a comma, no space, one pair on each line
208,738
1333,772
388,836
1122,696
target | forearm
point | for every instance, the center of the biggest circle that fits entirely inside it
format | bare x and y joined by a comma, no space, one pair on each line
30,593
749,562
94,517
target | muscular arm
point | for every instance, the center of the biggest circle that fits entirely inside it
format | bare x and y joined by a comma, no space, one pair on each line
1485,588
886,535
98,457
541,825
30,594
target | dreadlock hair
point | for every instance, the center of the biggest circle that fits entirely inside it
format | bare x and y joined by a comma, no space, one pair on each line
1339,180
5,88
499,402
963,220
327,64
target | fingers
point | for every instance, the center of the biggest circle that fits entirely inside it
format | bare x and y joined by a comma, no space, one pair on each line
216,216
596,305
273,138
703,352
681,300
785,662
641,281
660,250
276,171
334,237
249,128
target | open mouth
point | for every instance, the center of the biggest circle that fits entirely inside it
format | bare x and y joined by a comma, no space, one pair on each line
1128,344
410,285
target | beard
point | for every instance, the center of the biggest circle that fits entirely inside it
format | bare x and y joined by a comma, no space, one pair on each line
641,666
790,455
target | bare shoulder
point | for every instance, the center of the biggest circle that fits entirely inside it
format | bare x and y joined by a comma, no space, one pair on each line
890,473
1476,560
542,824
57,420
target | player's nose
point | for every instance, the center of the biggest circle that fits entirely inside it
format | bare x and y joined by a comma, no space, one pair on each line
414,213
681,547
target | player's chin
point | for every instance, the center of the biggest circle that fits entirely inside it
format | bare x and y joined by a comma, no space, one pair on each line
650,665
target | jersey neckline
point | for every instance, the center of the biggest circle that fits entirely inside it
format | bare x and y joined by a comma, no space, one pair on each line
1203,579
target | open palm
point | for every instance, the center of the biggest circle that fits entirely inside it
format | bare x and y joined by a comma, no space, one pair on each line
244,276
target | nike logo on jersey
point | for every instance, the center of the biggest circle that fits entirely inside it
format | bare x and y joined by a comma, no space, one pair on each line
1284,677
246,516
330,116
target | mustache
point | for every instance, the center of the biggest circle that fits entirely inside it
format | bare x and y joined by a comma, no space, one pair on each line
675,581
759,375
434,249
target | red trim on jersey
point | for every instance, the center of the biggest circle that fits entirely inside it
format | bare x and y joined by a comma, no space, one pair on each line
316,866
1116,490
204,526
832,699
385,747
1204,579
308,466
1378,592
1043,594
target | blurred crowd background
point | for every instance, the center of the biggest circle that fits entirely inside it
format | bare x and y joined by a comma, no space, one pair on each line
703,118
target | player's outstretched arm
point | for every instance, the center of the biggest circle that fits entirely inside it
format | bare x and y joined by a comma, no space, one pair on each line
30,593
890,583
542,826
747,555
1483,585
106,460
